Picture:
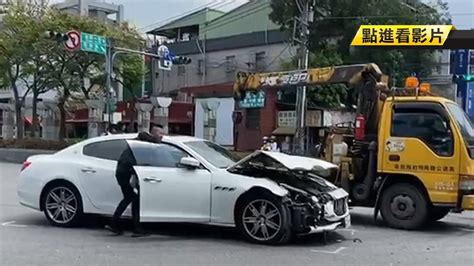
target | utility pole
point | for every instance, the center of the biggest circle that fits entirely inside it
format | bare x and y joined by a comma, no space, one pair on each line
306,16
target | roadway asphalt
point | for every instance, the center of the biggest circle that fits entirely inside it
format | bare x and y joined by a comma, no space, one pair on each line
26,238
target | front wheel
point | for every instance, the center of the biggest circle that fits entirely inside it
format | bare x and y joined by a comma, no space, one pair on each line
404,206
62,205
264,220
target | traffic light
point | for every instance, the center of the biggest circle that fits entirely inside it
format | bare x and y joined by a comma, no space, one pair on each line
181,60
56,36
465,78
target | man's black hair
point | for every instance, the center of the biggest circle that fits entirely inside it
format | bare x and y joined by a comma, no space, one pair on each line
152,125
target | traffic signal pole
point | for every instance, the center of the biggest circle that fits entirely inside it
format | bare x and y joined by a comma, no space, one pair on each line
110,56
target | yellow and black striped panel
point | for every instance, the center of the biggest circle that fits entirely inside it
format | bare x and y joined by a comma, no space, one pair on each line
347,74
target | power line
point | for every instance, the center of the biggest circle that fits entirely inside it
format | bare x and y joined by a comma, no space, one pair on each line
237,16
375,16
278,56
214,4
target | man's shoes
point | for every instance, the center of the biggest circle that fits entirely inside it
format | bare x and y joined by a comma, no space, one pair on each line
114,230
139,233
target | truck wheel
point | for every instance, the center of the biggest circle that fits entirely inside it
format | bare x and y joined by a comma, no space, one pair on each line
438,213
404,206
264,219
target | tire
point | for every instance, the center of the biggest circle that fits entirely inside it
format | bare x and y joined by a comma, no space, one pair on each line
438,213
404,206
62,205
276,221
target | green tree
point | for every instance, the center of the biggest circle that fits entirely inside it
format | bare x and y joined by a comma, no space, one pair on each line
20,31
323,95
336,22
27,56
73,68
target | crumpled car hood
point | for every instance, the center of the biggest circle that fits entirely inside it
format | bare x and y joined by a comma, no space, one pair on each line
292,162
299,172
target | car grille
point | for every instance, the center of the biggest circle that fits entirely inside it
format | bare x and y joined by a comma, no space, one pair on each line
340,206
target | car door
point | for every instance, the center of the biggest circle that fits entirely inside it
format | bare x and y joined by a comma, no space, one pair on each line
169,192
420,142
97,173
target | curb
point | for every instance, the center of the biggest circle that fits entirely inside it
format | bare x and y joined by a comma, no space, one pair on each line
20,155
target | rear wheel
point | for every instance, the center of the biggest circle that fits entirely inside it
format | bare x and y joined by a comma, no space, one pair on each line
264,220
438,213
62,205
404,206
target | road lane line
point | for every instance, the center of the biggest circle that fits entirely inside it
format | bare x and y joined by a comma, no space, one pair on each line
329,252
12,224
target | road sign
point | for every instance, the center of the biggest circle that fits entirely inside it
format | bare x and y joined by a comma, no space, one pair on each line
73,42
165,62
253,100
93,43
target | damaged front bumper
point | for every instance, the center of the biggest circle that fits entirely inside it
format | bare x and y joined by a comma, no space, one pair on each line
322,216
345,223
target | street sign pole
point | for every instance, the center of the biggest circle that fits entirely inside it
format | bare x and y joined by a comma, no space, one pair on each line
108,82
110,56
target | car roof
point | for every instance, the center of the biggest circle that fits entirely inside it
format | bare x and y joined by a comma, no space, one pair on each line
175,139
166,138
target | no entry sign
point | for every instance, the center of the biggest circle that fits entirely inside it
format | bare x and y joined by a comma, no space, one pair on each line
74,41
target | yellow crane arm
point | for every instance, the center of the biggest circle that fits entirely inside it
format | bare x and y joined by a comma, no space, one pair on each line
351,75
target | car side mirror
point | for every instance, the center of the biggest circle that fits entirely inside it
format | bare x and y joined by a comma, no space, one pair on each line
189,162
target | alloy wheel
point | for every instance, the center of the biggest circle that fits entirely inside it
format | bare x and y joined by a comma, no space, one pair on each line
61,205
261,219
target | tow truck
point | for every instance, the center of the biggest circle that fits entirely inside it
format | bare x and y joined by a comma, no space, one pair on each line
409,154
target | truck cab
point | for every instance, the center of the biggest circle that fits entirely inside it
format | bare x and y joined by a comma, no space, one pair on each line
425,150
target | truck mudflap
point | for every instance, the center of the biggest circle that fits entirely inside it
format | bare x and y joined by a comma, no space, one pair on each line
467,202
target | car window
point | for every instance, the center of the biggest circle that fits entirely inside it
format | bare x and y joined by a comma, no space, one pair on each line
158,155
429,127
108,150
213,153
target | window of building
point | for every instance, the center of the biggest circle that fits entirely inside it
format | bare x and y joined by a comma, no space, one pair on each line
252,118
425,125
230,63
108,150
200,69
181,71
260,63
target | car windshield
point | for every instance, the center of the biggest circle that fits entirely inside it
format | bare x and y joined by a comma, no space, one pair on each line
215,154
464,123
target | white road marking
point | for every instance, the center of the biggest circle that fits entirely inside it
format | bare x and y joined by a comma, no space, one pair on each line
329,252
12,224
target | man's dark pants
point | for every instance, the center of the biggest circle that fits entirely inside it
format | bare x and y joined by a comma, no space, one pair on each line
129,196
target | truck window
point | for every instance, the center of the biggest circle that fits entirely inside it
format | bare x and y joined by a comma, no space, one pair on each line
428,127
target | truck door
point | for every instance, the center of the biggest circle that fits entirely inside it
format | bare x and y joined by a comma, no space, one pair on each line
419,141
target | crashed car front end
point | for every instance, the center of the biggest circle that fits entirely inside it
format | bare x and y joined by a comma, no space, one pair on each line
315,204
326,211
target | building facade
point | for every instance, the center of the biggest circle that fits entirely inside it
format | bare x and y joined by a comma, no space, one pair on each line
220,45
99,10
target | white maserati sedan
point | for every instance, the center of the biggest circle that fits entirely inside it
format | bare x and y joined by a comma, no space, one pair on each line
268,196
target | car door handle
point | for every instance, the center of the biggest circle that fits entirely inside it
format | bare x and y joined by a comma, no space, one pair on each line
88,170
152,179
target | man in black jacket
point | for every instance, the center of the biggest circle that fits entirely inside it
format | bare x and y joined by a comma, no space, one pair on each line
123,174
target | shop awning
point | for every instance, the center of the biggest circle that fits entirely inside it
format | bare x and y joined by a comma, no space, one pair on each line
284,131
